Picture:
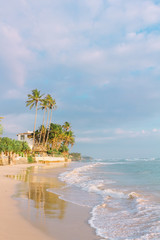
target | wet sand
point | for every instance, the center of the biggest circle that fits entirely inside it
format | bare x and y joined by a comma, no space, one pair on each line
41,214
13,225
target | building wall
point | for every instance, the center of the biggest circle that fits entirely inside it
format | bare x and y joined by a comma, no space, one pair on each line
26,139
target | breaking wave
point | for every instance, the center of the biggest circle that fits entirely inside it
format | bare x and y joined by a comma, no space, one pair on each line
119,214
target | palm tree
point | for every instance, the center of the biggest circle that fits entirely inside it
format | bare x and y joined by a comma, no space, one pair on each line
52,105
1,128
56,136
69,138
33,100
47,98
66,126
44,106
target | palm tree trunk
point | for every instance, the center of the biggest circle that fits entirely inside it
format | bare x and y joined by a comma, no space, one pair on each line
35,125
49,126
42,126
46,128
9,158
1,158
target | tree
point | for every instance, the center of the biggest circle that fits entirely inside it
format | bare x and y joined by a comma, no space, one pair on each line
43,106
76,156
33,100
25,148
48,99
6,146
1,128
61,137
52,105
66,126
69,138
11,147
55,136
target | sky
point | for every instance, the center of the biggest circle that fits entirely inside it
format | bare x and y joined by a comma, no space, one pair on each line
99,59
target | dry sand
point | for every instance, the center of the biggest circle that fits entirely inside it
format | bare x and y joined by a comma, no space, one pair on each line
12,225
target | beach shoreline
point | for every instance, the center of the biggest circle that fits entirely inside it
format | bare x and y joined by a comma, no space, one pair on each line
14,217
13,225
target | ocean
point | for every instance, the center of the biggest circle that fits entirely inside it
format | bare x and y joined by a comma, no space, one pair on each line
123,195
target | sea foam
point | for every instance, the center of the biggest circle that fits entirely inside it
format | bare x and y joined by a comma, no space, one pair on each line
119,214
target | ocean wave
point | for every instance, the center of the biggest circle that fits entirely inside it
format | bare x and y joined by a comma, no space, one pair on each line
75,176
141,159
120,214
126,218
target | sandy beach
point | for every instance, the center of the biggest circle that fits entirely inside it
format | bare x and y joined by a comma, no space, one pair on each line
15,224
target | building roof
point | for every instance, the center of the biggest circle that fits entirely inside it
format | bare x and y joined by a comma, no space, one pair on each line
26,133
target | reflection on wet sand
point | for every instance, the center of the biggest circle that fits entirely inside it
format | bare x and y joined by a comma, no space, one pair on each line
34,189
43,209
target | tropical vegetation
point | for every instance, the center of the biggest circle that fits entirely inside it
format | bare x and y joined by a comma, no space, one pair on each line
51,138
1,128
59,138
12,148
33,100
76,156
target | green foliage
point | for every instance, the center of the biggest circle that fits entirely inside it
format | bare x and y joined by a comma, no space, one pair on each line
50,152
76,156
51,102
8,145
60,136
64,149
30,159
1,129
33,98
25,147
54,137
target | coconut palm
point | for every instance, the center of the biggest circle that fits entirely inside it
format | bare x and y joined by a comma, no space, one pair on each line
47,98
43,106
1,128
52,105
33,100
69,138
56,136
66,126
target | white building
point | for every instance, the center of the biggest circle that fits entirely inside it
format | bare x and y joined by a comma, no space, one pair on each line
26,138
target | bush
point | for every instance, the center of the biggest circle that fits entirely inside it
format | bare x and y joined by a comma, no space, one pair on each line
30,159
64,149
50,152
76,156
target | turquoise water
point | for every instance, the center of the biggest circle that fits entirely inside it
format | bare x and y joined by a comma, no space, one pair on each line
123,194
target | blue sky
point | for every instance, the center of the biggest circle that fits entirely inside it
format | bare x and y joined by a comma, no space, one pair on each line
99,59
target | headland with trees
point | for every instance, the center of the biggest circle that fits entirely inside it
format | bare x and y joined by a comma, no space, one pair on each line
49,139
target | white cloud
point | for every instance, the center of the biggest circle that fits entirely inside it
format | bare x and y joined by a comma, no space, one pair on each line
93,139
85,40
16,123
104,135
13,94
155,130
14,54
